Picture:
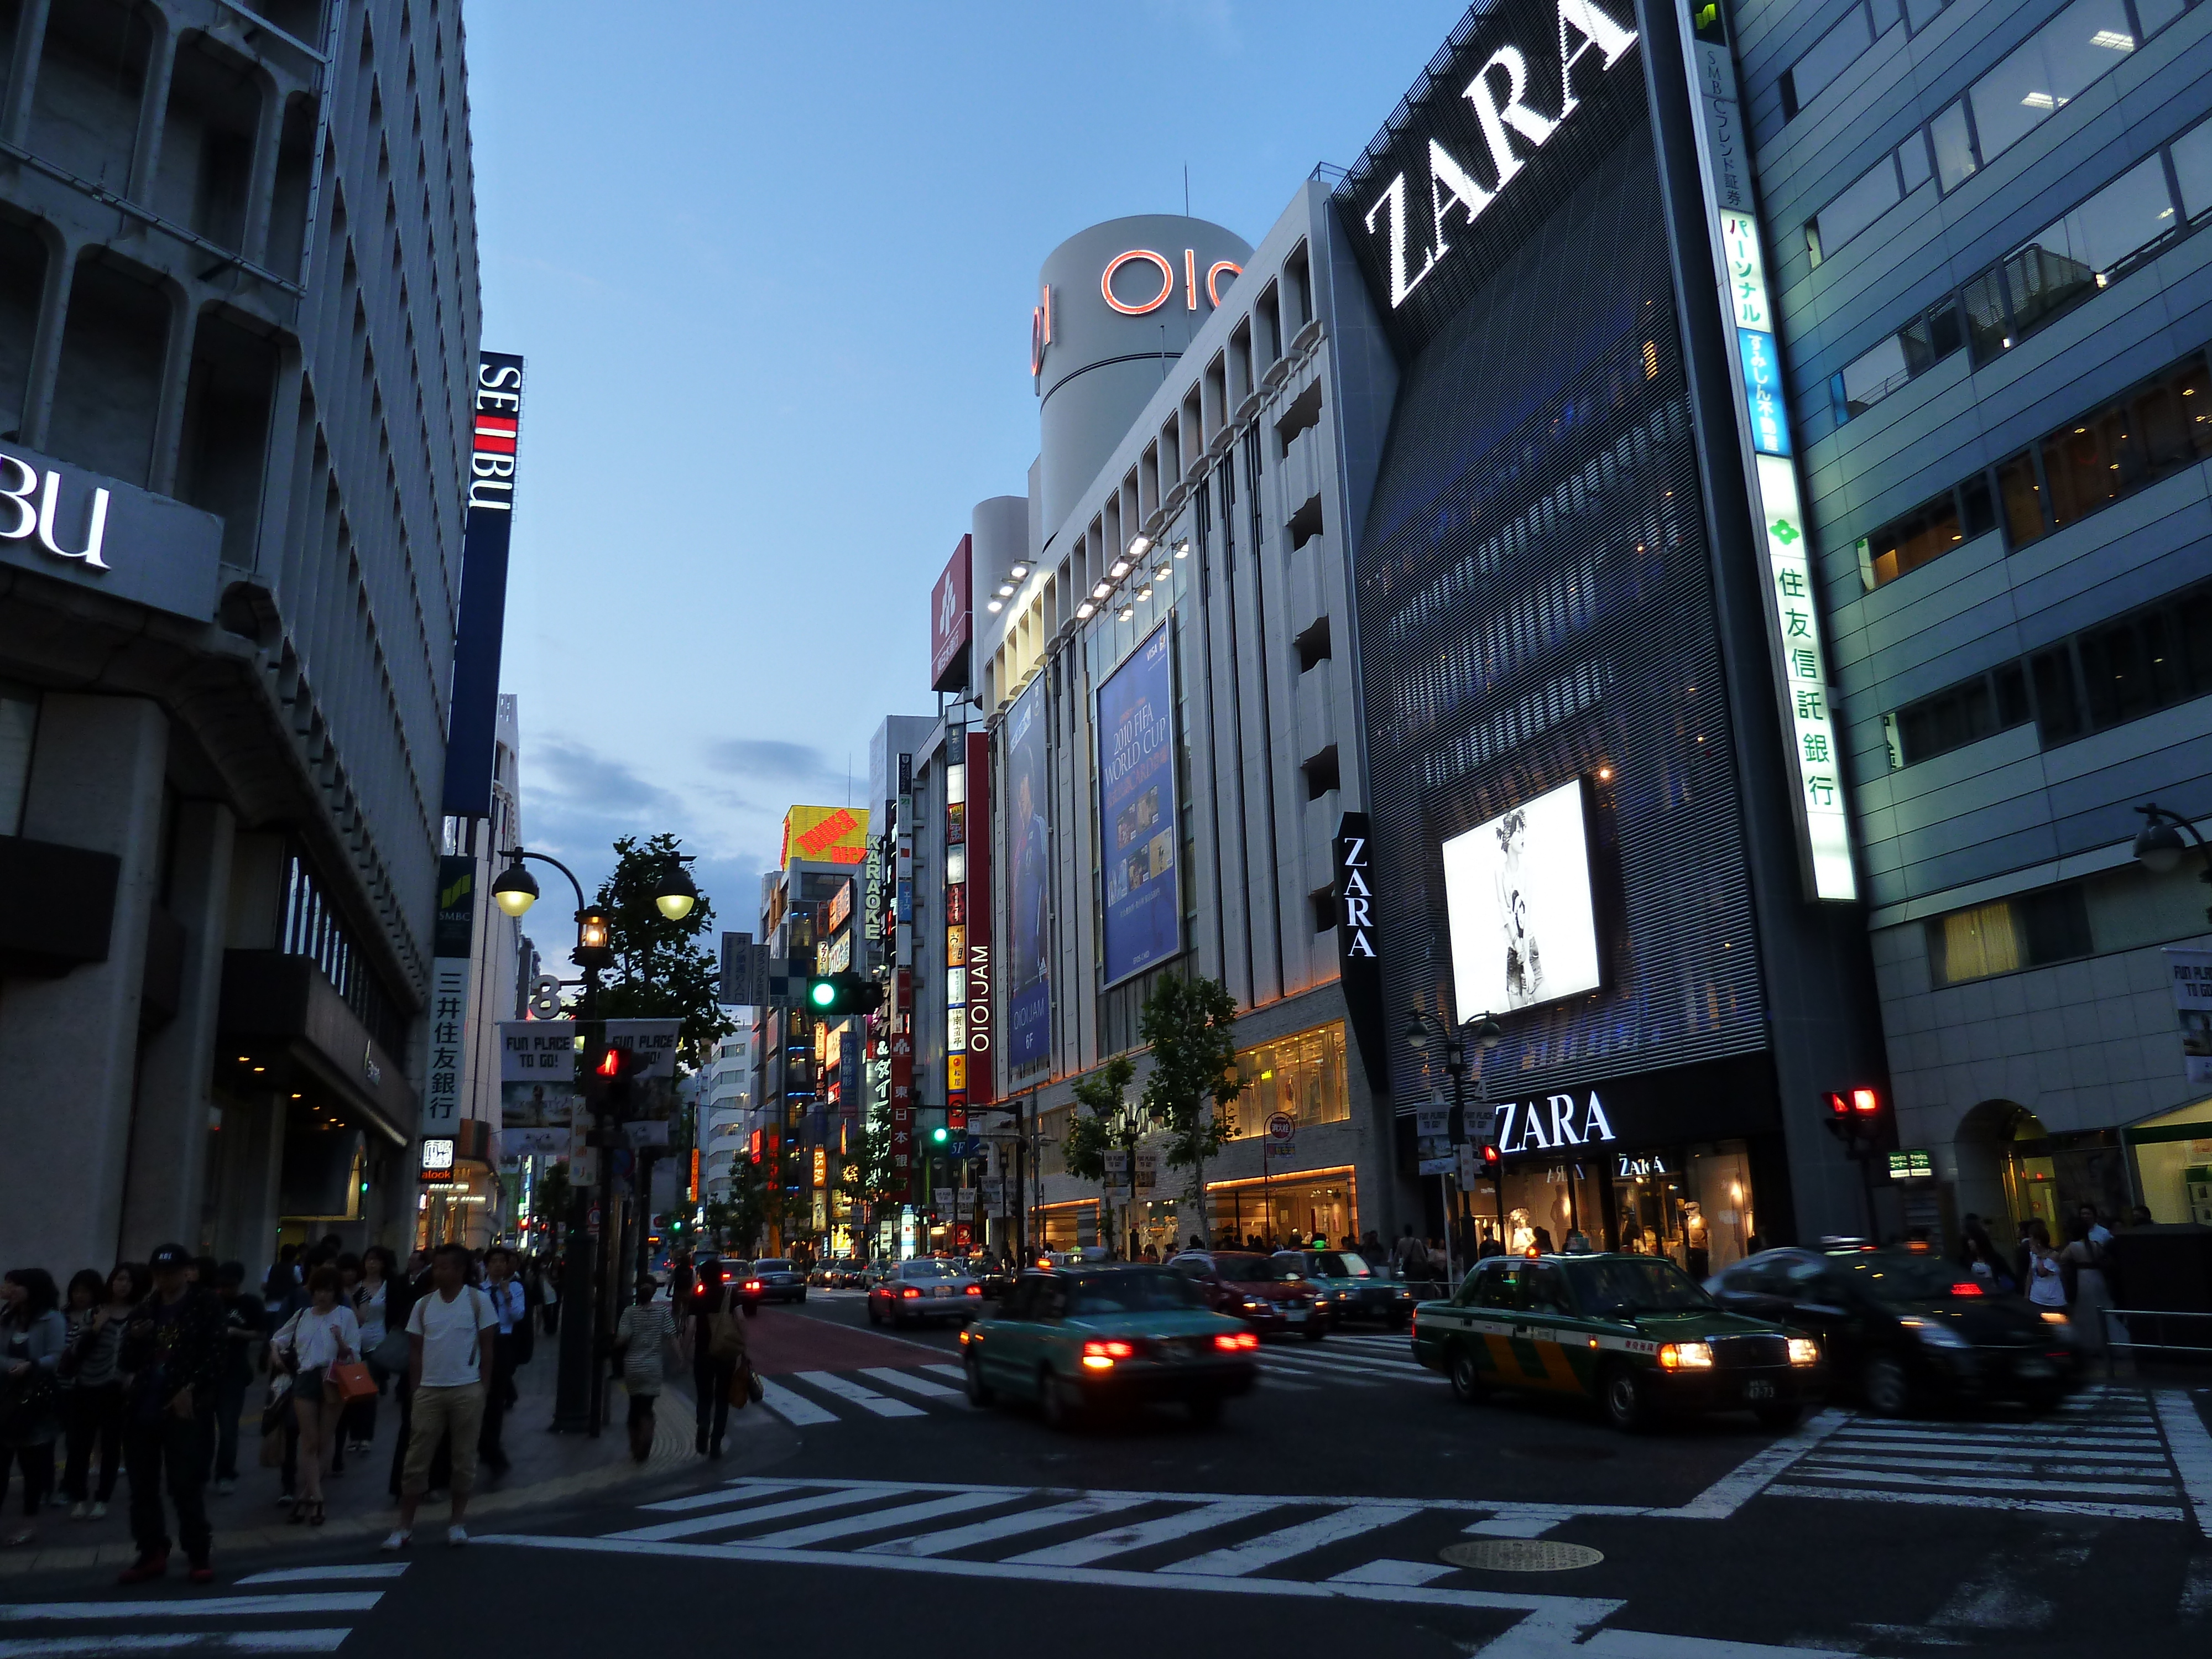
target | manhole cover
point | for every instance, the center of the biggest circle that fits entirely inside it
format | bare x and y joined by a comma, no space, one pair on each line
1558,1452
1521,1555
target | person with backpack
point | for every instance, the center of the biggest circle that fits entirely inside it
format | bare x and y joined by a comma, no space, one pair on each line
452,1334
716,1339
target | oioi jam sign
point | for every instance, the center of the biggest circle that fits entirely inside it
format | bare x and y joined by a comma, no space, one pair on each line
1137,815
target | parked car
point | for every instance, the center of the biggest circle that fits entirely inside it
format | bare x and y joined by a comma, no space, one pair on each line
928,1289
1346,1288
1073,1339
1900,1327
774,1280
1633,1334
1273,1297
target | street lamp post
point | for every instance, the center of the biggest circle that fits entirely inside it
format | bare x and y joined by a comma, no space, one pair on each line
577,1398
1420,1031
2160,847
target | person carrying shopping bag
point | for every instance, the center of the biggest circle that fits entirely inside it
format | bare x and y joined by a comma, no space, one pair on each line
322,1334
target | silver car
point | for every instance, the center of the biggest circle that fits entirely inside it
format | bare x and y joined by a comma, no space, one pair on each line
928,1290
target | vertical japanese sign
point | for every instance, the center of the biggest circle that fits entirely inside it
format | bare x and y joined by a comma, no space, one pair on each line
1027,1036
496,408
955,936
982,971
901,1070
1138,822
1800,663
446,1078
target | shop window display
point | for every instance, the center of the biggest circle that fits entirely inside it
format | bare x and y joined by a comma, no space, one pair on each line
1303,1075
1691,1205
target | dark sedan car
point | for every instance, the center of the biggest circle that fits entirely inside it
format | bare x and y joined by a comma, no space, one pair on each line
1901,1326
1270,1295
774,1280
924,1290
1346,1288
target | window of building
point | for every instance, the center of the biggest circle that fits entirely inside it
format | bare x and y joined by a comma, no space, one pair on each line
1303,1075
1928,532
2029,930
1828,57
2121,670
2047,71
1862,200
1896,359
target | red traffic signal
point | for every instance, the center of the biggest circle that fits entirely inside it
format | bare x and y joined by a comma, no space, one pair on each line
1855,1116
1491,1162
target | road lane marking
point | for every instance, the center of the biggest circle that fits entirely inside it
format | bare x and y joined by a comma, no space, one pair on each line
309,1575
912,1384
1883,1457
2190,1444
721,1497
953,1372
1006,1526
794,1409
1732,1491
735,1515
205,1641
792,1538
1269,1549
1977,1501
1395,1572
866,1399
1987,1483
1081,1552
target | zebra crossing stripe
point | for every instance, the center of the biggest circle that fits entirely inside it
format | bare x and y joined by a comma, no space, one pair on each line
1008,1526
2190,1444
739,1510
1984,1483
1123,1541
720,1496
336,1570
795,1409
794,1538
1980,1501
1235,1560
197,1608
952,1372
912,1384
169,1642
866,1399
1358,1365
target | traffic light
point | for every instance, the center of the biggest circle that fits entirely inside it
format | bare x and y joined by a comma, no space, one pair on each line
845,993
1855,1117
1492,1165
937,1134
616,1068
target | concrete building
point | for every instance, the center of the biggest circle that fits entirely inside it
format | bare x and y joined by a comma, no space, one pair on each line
237,319
724,1120
1994,294
1410,643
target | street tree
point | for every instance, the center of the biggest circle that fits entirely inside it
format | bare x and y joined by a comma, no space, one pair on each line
1101,1120
1190,1026
661,970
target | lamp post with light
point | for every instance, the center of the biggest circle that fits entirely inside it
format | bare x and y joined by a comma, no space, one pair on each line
576,1399
2160,847
1485,1033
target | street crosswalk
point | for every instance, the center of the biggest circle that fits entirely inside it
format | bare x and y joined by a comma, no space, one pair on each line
2101,1453
289,1610
1362,1547
809,1398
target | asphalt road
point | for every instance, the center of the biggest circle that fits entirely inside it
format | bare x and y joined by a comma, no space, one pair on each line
869,1503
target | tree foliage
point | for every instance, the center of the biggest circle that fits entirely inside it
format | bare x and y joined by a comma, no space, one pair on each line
1190,1025
661,970
1098,1122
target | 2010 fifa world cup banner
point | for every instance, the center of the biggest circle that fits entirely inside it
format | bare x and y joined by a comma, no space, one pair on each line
1138,820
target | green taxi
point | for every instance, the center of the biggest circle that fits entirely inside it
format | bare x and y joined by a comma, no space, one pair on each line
1634,1334
1076,1339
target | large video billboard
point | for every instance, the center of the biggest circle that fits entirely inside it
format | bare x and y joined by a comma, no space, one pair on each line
1028,954
1137,818
1517,889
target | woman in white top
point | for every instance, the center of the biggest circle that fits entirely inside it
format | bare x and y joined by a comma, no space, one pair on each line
368,1307
2046,1280
313,1339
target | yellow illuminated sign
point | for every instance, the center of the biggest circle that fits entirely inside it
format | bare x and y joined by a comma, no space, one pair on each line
825,835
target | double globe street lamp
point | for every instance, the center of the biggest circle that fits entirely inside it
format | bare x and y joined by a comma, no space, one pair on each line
1485,1033
576,1405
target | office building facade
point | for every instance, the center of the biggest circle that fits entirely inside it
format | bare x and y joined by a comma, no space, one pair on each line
237,349
1993,294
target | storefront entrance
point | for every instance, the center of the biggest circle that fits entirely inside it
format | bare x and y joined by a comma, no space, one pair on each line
1692,1204
1301,1206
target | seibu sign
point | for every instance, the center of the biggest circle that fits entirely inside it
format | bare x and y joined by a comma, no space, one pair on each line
1513,121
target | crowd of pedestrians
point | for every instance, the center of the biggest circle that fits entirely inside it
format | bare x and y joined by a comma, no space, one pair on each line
143,1375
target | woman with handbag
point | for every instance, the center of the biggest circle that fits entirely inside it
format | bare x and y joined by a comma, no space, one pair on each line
32,1335
322,1334
716,1338
371,1300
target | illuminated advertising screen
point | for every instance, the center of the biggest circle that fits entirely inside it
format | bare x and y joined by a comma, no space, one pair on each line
1028,1035
825,835
1517,895
1137,818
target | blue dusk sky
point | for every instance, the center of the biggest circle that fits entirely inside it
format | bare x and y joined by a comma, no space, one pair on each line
771,268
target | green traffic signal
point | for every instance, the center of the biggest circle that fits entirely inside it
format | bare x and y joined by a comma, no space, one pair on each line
937,1134
821,993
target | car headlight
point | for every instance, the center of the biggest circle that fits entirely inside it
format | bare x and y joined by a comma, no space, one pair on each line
2052,1318
1804,1351
1685,1356
1936,1334
1253,1305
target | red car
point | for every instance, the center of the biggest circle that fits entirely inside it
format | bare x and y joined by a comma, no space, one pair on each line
1267,1293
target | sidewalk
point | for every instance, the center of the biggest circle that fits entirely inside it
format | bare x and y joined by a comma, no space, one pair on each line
544,1469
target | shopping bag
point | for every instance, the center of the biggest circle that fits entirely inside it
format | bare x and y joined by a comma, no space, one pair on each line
351,1380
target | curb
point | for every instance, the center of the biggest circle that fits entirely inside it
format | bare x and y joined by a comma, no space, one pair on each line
672,1449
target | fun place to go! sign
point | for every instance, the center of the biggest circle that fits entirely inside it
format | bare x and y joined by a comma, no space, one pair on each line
825,835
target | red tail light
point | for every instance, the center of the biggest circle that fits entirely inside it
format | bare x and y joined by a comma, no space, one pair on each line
1967,1287
1113,1350
753,1284
908,1290
974,1290
1230,1343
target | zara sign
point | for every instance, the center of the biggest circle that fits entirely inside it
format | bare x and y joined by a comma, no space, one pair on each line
1552,1123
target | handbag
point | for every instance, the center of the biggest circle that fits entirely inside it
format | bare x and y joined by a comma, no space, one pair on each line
725,1340
350,1380
391,1355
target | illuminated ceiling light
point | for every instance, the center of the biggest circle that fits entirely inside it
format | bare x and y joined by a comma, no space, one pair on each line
1126,613
1085,611
1139,545
1182,548
1605,775
1104,590
1161,572
1118,570
1021,570
1145,592
1005,590
995,606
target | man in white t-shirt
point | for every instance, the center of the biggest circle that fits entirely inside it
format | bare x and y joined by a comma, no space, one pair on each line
450,1338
